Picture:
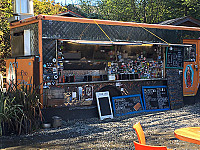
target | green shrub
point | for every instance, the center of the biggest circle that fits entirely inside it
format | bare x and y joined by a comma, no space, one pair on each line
20,109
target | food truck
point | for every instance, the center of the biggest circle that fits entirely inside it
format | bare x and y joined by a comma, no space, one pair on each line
145,67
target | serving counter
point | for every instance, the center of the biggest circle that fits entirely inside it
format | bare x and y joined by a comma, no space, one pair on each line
83,93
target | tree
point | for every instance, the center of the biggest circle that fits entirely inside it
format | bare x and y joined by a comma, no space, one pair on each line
5,12
148,11
47,7
180,8
90,8
76,9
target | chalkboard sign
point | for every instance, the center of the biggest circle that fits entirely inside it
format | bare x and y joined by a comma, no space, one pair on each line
123,105
174,57
104,105
175,87
155,98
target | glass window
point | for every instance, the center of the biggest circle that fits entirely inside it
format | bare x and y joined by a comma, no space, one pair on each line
190,53
21,6
24,6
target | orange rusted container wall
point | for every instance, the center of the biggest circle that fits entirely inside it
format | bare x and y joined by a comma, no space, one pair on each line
191,70
24,71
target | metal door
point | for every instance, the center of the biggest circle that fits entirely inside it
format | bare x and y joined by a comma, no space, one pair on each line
191,70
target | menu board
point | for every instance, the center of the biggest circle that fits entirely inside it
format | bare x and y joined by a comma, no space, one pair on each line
175,87
155,98
123,105
174,57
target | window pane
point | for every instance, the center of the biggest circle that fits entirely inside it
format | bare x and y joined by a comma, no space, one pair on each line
190,53
24,6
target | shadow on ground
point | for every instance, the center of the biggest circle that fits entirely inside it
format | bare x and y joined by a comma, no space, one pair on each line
114,133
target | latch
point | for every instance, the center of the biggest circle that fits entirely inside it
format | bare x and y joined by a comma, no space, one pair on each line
196,66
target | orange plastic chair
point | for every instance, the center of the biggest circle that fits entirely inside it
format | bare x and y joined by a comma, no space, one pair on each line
142,142
140,133
139,146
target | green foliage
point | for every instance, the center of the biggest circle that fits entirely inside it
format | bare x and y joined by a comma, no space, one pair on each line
147,11
47,7
5,12
77,10
88,7
180,8
20,109
9,112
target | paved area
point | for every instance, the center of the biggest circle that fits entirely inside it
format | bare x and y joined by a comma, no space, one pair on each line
114,133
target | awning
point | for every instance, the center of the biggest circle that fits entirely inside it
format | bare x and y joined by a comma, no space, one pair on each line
110,43
126,43
168,45
101,42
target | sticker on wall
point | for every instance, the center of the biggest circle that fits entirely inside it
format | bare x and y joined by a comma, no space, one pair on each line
54,60
118,84
88,93
80,92
11,74
73,95
189,76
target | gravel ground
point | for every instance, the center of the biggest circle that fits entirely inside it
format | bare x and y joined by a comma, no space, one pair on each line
114,133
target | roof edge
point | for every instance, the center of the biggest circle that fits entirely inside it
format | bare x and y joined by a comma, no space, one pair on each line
103,22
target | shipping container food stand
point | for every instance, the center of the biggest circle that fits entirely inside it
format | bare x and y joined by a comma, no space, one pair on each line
78,57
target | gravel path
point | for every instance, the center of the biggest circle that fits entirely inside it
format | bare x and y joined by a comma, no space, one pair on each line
112,134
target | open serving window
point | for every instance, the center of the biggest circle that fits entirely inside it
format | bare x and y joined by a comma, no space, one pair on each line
82,68
82,61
